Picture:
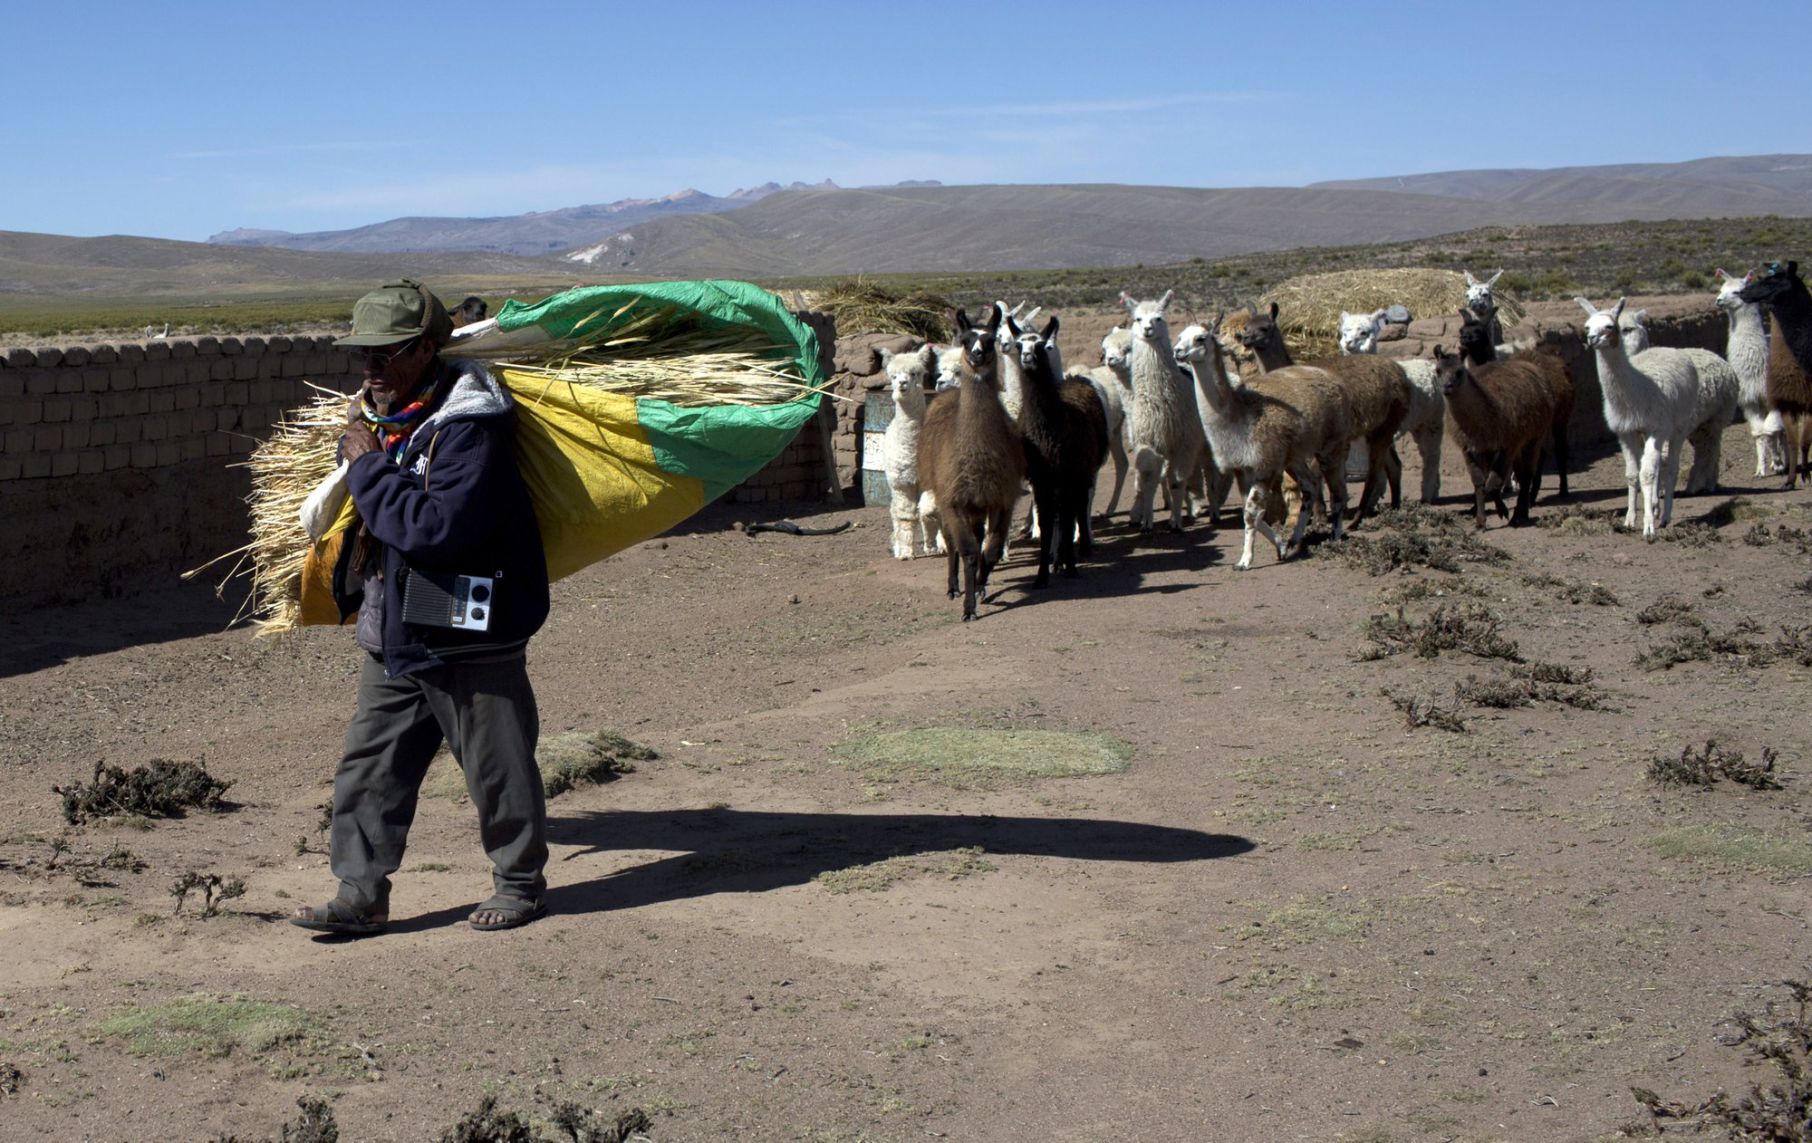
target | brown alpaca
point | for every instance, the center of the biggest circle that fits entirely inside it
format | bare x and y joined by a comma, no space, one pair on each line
1377,394
1477,347
972,460
1064,428
1498,414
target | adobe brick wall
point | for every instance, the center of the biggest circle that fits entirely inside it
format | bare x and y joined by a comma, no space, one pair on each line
120,464
117,462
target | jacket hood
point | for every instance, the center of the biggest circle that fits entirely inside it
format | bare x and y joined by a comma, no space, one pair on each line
474,394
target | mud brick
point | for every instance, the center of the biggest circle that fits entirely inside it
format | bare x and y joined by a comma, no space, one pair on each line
103,433
194,448
157,351
116,456
213,393
317,363
207,346
219,444
221,369
121,379
182,350
141,403
56,408
162,400
103,354
188,398
12,385
294,366
238,393
128,431
245,368
64,464
35,465
231,347
169,452
21,359
226,419
11,469
90,461
95,380
75,437
254,346
69,381
132,354
278,344
76,355
16,442
153,429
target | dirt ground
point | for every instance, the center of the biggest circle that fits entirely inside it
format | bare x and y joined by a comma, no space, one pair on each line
1290,917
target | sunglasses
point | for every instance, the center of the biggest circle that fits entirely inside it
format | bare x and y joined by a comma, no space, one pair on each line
383,357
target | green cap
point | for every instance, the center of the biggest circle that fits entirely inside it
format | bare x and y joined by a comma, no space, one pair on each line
397,312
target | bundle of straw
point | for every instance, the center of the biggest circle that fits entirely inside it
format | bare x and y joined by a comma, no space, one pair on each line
1309,306
860,306
662,354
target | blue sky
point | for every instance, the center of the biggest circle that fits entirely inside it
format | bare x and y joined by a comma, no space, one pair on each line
180,120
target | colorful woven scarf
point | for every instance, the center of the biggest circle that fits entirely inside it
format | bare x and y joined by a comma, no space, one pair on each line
394,430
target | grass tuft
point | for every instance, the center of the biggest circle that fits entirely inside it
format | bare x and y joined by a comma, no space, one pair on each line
1736,847
977,758
879,875
1704,767
1419,711
213,1026
571,760
1416,536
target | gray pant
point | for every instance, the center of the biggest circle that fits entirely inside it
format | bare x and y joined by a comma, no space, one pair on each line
485,711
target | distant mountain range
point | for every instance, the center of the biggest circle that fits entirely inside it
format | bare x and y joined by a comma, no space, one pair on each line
773,231
537,234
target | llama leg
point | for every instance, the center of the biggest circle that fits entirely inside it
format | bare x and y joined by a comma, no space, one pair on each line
1179,496
1049,527
1147,467
1393,472
1068,519
1255,522
1669,477
1562,455
1117,448
1428,444
1528,475
1631,447
1649,475
905,509
1335,475
1481,477
1305,509
931,521
993,547
952,547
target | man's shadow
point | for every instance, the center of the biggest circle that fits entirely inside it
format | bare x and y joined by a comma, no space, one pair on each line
736,851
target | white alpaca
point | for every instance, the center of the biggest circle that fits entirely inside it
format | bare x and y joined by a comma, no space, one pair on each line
1113,384
1747,352
906,374
1426,423
1655,402
1167,437
949,362
1634,327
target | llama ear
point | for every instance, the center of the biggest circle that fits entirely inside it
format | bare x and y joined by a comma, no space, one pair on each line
1440,354
1012,328
1492,280
928,356
1378,315
886,356
1590,309
1032,313
1049,332
1792,272
1164,301
994,316
1724,276
962,322
1470,280
1219,317
1617,312
1273,311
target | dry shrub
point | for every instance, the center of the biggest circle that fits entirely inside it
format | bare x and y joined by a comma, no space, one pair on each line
488,1125
11,1079
1665,609
1416,536
1780,1112
215,891
1539,682
1578,520
1692,535
1468,627
1705,767
158,789
1420,711
1308,307
1573,591
582,1125
860,306
1698,642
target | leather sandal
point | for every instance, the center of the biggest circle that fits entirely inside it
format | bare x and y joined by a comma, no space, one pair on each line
341,917
514,911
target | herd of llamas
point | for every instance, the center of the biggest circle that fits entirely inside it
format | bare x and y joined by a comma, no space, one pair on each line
979,421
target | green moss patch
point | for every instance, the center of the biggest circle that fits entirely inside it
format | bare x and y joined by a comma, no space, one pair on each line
1735,846
213,1026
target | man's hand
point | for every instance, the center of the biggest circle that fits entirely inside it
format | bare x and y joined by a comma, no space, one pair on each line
356,441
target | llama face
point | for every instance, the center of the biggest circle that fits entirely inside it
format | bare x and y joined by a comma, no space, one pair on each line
906,373
1450,370
1475,335
1775,284
1195,346
1116,348
1148,322
1359,332
949,367
1479,298
1260,333
1601,329
1730,293
978,343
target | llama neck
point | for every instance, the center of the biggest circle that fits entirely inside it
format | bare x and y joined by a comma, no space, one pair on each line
1211,386
1273,354
1154,373
1625,387
1479,351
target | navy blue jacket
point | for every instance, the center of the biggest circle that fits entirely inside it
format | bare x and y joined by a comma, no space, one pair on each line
453,502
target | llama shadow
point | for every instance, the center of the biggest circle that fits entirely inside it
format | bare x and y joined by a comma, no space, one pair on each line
1119,567
736,851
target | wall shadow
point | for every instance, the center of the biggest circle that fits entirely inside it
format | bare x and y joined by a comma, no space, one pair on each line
739,851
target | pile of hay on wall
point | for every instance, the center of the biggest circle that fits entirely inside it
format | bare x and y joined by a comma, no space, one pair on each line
859,306
1309,306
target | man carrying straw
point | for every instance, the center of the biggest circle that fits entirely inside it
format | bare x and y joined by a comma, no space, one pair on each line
430,449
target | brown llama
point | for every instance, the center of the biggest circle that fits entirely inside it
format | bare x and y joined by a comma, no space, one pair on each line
1498,414
1789,386
1378,398
972,460
1477,348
